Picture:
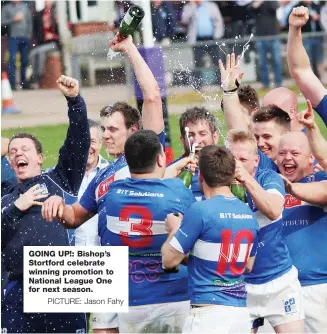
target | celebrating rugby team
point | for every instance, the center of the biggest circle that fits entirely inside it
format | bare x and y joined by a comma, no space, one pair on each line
200,259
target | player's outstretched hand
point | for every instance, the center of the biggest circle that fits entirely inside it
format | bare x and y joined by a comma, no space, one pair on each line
299,17
173,222
30,198
118,44
307,117
53,208
231,73
68,86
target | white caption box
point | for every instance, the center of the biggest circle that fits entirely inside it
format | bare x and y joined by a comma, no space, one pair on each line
75,279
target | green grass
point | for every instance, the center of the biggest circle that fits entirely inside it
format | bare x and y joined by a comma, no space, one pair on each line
52,137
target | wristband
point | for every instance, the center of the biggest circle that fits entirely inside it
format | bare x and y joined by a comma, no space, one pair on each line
237,84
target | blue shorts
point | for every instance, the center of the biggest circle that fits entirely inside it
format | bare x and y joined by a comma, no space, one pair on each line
14,320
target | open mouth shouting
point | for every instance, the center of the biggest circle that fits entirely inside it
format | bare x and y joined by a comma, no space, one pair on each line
21,165
289,169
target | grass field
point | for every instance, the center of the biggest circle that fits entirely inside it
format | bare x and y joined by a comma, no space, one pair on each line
52,137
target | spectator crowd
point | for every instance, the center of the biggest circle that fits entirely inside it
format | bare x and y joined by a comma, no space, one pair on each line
173,21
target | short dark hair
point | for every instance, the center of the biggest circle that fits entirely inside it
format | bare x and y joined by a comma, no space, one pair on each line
37,143
248,97
217,165
141,151
195,114
131,115
273,113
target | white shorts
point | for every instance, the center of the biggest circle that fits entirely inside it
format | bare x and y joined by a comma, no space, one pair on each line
154,318
104,320
218,319
315,308
279,301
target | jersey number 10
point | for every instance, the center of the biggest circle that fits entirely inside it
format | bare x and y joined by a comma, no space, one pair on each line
229,252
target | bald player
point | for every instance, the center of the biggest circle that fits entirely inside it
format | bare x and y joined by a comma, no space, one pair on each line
305,225
285,99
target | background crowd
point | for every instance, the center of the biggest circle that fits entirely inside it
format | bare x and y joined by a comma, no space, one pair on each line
35,34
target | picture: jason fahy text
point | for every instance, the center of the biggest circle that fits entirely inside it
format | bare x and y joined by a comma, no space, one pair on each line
89,301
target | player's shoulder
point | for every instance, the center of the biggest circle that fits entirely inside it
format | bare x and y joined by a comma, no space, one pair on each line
127,182
171,182
102,173
266,162
200,207
177,186
264,174
315,177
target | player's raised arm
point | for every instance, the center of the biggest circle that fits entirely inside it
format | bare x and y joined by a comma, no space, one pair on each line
298,60
73,155
230,77
317,142
152,117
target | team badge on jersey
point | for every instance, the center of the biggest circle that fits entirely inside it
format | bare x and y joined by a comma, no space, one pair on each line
44,189
289,305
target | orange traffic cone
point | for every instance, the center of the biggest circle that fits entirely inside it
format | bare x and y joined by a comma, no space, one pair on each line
7,103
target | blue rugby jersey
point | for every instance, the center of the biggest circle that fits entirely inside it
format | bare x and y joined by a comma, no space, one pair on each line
136,211
273,259
266,163
220,234
305,233
93,199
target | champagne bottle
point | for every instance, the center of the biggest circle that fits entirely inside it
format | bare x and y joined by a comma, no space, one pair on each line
239,191
131,21
186,174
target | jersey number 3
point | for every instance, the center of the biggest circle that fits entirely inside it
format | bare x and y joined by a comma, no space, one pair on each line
143,228
230,251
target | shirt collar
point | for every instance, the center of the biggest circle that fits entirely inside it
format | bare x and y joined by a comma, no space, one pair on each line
102,163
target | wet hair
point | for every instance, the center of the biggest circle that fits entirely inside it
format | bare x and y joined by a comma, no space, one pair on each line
273,113
131,115
141,151
194,115
37,143
217,165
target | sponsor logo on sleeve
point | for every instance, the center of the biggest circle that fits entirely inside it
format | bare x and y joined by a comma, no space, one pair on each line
291,201
104,186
